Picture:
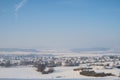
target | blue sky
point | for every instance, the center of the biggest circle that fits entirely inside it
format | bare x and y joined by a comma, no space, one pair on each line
59,23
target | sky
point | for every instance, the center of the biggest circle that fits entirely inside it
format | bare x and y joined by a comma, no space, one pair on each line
59,24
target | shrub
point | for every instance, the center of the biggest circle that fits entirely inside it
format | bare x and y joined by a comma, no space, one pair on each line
77,69
41,67
44,72
50,70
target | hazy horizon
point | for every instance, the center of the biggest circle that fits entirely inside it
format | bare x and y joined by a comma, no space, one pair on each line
59,24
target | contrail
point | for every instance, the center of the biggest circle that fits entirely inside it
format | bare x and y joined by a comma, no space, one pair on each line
18,6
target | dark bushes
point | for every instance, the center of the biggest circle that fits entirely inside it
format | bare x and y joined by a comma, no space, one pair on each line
41,67
50,70
77,69
93,73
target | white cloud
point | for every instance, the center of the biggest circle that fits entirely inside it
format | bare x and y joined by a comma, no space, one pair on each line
18,6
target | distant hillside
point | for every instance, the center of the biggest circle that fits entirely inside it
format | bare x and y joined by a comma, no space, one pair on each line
17,50
90,49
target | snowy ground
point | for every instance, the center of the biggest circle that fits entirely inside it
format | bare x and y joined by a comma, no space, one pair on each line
60,72
31,73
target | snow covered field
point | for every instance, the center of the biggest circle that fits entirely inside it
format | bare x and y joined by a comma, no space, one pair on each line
60,72
31,73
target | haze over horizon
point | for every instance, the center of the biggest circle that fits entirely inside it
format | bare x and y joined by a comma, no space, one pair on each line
59,24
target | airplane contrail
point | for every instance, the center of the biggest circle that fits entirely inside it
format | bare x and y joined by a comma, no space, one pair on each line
18,6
